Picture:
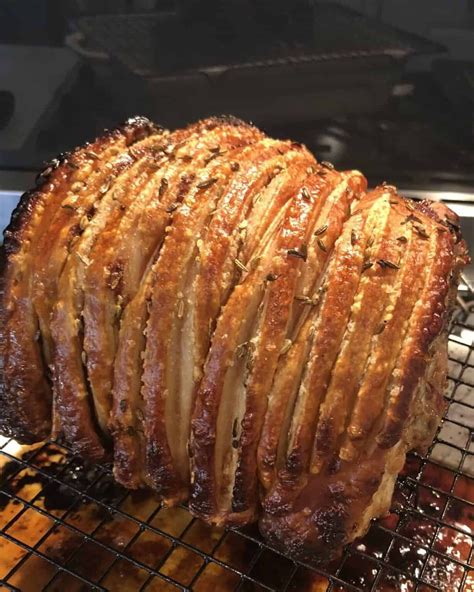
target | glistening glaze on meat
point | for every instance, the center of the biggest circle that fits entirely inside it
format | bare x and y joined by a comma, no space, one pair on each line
238,324
26,293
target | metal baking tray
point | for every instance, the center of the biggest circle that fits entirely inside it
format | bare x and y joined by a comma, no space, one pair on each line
335,62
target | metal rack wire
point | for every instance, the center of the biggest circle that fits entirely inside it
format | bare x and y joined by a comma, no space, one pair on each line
66,526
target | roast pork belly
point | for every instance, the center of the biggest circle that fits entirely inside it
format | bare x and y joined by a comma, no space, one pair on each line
233,323
143,222
374,374
36,245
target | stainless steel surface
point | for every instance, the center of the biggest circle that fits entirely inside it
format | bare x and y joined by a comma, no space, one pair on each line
8,201
438,195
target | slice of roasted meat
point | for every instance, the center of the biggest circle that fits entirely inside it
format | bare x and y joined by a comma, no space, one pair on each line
143,220
251,336
215,207
337,194
178,251
374,374
236,324
35,248
74,415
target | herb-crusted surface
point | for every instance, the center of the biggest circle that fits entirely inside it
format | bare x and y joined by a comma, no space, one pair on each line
372,378
25,340
231,322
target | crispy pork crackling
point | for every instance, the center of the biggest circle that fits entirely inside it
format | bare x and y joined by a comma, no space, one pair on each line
231,322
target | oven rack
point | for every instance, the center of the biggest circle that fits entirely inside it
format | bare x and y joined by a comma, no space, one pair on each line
66,526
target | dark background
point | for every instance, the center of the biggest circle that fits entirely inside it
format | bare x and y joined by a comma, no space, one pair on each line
381,85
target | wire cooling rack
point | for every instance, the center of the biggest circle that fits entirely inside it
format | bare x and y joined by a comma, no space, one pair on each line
64,526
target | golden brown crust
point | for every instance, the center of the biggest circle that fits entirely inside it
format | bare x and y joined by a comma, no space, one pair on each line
272,335
143,221
282,311
169,379
224,493
367,319
339,287
428,326
83,415
131,342
75,414
351,478
336,195
381,364
26,393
